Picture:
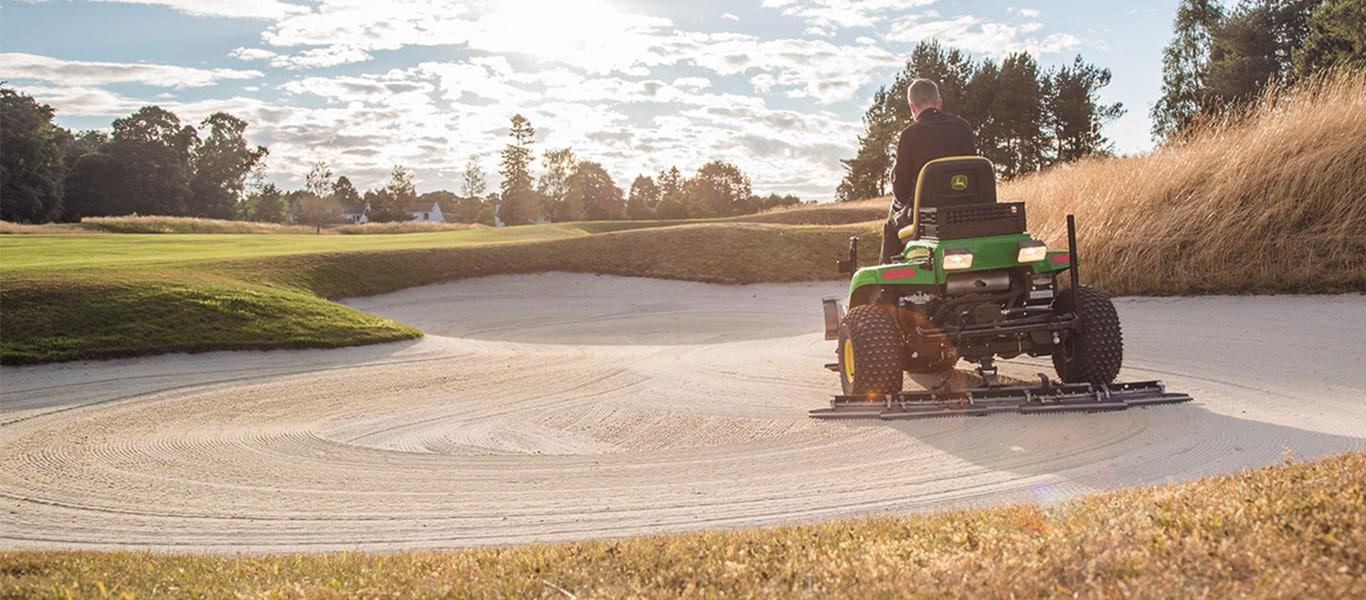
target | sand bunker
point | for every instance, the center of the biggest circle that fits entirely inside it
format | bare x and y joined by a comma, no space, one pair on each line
562,407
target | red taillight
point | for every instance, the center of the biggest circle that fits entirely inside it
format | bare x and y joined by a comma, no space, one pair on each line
1060,259
901,273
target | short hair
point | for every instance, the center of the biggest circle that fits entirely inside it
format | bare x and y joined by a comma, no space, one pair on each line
923,93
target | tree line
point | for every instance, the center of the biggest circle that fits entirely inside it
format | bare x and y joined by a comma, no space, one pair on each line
1025,118
150,163
1219,62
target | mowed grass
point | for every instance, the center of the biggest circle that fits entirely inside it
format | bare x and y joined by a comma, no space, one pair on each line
1292,531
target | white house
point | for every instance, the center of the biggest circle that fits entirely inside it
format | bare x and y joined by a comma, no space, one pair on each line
423,212
426,212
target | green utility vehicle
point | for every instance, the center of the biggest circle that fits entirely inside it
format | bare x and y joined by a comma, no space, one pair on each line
972,284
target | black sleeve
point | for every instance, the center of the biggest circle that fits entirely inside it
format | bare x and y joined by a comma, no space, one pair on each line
903,181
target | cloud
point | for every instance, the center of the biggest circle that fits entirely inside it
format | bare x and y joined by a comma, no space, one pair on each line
242,9
974,35
84,73
832,15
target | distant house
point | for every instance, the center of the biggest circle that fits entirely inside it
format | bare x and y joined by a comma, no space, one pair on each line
423,212
426,212
355,213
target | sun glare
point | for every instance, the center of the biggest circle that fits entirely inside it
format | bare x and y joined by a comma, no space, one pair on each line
589,33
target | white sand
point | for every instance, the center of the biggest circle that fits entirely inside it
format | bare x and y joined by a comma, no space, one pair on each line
564,407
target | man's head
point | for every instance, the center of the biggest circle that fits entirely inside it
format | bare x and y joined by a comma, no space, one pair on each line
923,94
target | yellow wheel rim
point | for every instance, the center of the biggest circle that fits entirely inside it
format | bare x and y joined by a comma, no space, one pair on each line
848,360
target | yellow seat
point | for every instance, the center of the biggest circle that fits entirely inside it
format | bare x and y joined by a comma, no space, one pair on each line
951,181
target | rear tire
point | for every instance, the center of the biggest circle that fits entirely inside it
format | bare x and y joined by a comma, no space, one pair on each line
1094,352
869,352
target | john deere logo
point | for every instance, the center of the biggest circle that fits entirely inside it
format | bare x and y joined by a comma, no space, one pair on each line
959,183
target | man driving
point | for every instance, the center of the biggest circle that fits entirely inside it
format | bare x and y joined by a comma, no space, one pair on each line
934,134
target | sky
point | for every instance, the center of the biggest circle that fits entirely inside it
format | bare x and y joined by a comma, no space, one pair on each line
776,87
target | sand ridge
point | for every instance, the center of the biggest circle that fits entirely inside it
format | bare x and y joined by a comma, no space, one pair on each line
562,406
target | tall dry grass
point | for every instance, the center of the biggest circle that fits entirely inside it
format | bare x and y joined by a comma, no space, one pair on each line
158,224
1272,200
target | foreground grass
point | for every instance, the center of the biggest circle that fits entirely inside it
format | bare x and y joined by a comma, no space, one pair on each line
1294,531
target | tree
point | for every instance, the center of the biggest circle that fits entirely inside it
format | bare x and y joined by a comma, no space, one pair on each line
772,201
319,180
593,193
1185,66
266,205
518,197
394,203
316,204
32,166
554,185
1335,38
870,170
473,186
1242,57
221,162
1018,113
673,203
345,193
719,189
643,199
150,151
1077,117
312,209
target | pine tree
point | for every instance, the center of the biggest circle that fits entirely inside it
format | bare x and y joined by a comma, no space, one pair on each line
518,196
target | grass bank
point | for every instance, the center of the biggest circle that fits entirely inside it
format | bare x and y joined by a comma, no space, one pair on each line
1271,201
1293,531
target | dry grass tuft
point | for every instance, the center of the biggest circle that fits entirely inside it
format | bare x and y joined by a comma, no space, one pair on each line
154,224
1295,531
1273,201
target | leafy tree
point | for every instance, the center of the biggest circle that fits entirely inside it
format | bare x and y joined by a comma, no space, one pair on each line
312,209
32,166
554,185
488,211
150,150
1076,114
719,189
518,197
594,195
1335,38
266,205
316,204
394,203
643,199
772,201
88,171
673,203
319,180
221,162
1185,66
345,192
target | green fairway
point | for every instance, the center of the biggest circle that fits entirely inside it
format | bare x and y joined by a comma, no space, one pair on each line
106,295
20,253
